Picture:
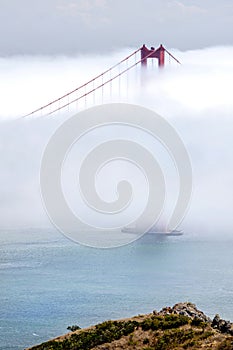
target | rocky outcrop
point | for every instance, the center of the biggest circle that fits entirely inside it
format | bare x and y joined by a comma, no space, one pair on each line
190,310
185,309
222,325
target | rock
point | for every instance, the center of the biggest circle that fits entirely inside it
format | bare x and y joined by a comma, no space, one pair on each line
215,321
222,325
186,309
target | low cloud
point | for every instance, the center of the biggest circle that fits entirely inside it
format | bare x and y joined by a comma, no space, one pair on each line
196,98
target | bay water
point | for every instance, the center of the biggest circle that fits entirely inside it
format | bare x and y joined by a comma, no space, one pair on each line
48,282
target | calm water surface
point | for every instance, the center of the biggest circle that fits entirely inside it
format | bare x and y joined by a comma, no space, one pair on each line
48,282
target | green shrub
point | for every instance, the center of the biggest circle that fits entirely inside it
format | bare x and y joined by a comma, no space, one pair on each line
174,338
146,324
146,341
206,335
73,328
166,322
174,321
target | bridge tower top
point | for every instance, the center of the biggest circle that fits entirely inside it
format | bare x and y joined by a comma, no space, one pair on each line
153,53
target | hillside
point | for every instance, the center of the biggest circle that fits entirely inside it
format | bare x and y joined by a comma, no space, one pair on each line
182,326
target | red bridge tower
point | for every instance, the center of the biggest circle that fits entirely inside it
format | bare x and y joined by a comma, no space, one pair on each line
153,53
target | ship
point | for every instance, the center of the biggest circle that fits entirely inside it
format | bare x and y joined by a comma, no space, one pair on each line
153,232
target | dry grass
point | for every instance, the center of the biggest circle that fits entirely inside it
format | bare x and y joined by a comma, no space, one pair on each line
145,332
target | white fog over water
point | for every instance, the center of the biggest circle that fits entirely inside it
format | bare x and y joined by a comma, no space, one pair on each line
195,97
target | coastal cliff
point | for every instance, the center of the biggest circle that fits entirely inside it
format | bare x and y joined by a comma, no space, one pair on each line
182,326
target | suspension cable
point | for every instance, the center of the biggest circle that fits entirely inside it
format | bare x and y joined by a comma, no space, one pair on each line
99,86
103,83
81,86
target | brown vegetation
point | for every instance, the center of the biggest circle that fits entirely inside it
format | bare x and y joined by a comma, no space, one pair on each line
181,327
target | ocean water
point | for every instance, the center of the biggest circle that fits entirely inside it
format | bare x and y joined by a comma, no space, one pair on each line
48,282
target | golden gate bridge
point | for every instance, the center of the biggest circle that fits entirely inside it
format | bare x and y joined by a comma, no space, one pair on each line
106,78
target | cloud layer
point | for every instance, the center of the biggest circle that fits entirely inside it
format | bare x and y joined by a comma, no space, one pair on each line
194,97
